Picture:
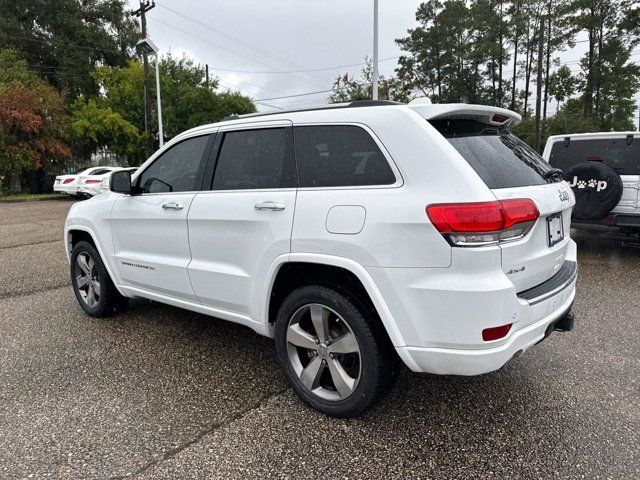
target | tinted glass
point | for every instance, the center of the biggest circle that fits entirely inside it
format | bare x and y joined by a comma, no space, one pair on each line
501,159
175,170
100,171
339,156
624,158
255,159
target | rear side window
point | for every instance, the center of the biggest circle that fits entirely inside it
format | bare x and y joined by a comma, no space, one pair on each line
617,153
501,159
255,159
339,156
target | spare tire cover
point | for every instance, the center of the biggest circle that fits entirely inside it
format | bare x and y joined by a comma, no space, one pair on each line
597,187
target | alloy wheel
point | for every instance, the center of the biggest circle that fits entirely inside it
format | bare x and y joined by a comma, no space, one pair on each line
324,352
87,279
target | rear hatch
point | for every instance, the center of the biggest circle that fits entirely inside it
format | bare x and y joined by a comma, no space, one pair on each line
513,170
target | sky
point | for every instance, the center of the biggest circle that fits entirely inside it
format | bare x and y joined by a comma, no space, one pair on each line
254,45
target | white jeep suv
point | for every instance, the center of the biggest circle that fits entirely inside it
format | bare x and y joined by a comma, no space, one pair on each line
356,235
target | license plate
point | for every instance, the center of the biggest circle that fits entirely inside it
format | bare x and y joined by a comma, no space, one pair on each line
555,229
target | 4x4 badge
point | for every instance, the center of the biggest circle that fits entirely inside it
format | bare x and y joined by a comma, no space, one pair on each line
564,196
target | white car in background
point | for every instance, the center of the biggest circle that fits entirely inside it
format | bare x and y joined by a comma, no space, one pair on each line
68,184
104,185
91,185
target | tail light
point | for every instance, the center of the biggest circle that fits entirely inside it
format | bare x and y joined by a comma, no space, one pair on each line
92,181
68,180
483,223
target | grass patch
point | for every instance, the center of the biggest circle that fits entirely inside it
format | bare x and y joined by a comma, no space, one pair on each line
25,197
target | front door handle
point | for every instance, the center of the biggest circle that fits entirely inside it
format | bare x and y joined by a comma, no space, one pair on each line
270,206
172,206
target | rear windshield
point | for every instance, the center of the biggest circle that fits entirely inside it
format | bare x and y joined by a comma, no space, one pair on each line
501,159
618,153
100,171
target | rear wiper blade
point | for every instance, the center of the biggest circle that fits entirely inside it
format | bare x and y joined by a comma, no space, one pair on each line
554,172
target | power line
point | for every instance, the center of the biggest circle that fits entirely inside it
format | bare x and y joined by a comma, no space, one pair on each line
215,44
238,40
294,96
322,69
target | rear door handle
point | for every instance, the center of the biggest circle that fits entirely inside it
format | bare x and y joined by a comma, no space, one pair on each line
270,206
172,206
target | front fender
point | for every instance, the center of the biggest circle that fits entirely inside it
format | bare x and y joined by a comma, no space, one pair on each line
94,217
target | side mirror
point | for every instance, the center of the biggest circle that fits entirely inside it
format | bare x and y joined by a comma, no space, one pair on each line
120,182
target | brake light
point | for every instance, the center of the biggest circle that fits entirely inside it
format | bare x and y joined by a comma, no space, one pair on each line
68,180
495,333
92,181
483,223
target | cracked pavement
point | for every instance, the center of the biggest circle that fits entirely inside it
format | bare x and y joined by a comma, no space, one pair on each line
163,393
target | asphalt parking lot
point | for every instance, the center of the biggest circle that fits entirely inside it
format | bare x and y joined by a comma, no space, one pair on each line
162,393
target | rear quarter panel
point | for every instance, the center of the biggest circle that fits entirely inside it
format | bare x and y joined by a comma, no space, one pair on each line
396,230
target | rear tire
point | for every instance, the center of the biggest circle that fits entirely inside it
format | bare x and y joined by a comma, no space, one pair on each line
336,359
95,292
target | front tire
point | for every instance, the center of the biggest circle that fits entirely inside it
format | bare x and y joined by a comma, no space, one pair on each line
95,292
337,360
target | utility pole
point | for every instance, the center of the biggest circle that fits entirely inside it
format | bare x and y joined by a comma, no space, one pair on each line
374,95
145,6
206,75
539,84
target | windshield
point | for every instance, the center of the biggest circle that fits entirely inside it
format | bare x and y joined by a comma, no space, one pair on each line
500,158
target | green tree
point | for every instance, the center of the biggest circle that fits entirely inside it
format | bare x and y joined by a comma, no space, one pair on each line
617,87
561,85
64,40
442,60
568,120
346,89
32,121
92,126
491,45
600,20
186,100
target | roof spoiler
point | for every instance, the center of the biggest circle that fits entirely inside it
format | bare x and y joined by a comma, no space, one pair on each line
490,115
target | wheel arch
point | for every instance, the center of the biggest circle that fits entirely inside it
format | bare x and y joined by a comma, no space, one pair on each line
77,233
332,271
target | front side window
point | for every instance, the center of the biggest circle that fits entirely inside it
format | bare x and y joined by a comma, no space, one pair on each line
176,170
339,156
255,159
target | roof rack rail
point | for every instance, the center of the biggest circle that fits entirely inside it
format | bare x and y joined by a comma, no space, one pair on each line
352,104
372,103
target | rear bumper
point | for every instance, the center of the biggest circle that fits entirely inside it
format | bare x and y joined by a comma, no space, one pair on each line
69,189
476,362
441,313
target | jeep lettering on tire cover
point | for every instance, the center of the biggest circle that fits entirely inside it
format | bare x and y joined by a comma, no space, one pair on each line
597,187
